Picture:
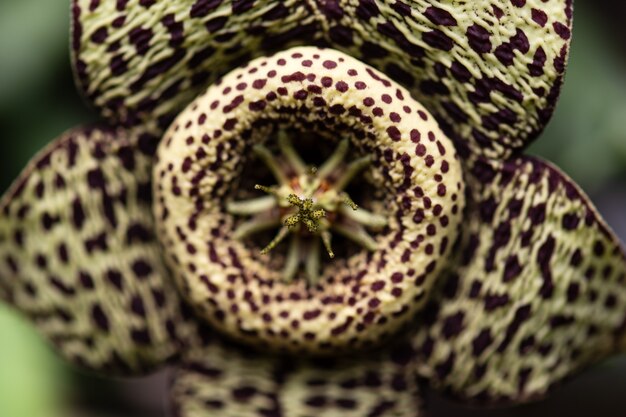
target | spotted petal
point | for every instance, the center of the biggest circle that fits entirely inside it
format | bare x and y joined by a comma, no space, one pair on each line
490,71
78,256
137,59
540,292
225,381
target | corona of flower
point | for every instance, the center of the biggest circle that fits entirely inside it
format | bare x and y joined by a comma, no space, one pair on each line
306,205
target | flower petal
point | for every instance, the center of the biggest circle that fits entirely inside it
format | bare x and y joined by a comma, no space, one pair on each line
78,254
490,71
142,59
540,292
226,381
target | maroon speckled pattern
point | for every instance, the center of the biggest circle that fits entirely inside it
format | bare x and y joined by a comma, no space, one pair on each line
359,301
489,71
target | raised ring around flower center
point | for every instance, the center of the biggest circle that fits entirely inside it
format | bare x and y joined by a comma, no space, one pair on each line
352,301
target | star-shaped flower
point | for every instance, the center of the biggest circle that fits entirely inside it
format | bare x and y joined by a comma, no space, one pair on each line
483,271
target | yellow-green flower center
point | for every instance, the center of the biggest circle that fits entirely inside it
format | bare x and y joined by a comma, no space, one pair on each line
308,203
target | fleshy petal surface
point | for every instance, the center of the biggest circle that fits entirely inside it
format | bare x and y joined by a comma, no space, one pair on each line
540,292
138,60
225,381
79,258
490,71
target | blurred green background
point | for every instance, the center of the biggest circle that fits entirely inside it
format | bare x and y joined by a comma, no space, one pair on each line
587,138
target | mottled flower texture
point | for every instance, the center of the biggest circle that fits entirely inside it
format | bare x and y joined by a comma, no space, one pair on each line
491,276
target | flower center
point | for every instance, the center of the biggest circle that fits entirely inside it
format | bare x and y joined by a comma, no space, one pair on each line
308,203
359,299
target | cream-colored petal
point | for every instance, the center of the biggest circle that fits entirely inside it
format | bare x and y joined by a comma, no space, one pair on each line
539,295
137,60
490,71
225,381
79,256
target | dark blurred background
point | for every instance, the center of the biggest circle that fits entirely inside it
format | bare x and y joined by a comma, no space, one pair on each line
38,101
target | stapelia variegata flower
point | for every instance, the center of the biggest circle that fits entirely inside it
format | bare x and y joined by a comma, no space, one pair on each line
319,227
